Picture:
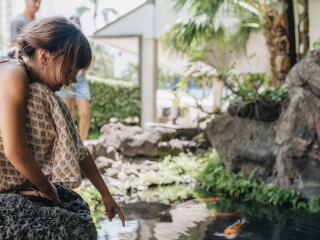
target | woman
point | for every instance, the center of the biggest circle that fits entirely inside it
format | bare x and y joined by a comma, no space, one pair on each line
78,94
41,153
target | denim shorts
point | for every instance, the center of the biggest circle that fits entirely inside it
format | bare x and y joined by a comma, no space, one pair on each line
77,91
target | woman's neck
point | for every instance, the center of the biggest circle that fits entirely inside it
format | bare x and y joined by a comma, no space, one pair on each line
32,72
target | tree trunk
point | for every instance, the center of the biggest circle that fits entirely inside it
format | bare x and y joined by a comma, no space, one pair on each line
303,28
218,87
275,25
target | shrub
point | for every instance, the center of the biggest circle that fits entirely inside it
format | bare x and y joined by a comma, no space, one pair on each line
253,97
112,99
215,177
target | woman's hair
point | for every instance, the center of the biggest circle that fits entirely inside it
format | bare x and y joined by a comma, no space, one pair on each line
60,37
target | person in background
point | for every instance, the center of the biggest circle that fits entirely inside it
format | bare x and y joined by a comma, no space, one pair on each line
78,94
23,19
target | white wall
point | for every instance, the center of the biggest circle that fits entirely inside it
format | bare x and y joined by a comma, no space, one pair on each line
314,10
256,58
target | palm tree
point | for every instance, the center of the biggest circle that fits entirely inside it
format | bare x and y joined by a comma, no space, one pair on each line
106,14
81,10
95,11
269,15
203,37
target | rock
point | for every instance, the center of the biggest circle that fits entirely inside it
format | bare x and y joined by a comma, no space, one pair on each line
113,133
132,171
166,133
266,111
298,131
113,173
103,163
178,131
289,147
122,176
143,144
101,150
111,152
164,148
174,147
133,141
243,144
182,145
201,141
187,133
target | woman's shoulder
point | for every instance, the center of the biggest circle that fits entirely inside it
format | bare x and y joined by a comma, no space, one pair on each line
11,66
14,85
12,74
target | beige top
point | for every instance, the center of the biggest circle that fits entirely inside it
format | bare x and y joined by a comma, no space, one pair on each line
53,139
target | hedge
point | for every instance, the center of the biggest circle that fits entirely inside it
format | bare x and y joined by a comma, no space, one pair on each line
112,99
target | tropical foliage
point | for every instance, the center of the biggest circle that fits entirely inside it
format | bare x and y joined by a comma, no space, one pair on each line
102,65
112,99
217,30
253,87
214,177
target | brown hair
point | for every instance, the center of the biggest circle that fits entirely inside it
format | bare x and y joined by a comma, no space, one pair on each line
60,37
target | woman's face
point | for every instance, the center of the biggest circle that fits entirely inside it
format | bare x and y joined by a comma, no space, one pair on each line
52,73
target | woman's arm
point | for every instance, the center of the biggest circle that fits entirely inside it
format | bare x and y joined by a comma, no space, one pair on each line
13,100
89,168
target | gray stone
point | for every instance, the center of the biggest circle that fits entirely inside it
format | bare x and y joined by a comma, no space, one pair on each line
111,152
177,131
103,163
133,141
100,150
298,131
243,144
113,173
288,148
143,144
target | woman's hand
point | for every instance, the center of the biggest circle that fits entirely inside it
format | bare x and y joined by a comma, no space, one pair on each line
112,209
51,193
89,168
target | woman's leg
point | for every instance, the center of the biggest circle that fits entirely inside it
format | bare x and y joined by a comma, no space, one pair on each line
84,113
30,218
70,102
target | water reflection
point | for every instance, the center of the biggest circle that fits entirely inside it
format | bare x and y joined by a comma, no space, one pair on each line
114,230
208,221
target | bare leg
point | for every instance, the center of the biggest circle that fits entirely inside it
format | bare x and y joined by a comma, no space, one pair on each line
84,112
70,102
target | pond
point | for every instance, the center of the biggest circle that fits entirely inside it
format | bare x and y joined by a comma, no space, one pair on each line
209,219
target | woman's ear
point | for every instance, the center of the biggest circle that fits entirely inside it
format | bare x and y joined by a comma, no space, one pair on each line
43,57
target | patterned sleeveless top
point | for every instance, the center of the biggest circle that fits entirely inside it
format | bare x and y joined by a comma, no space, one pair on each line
53,139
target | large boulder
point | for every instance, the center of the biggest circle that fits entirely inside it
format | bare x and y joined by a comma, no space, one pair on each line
133,141
289,148
298,129
180,131
243,144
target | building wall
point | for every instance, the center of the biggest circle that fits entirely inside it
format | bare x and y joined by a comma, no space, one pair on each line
314,8
256,55
5,18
